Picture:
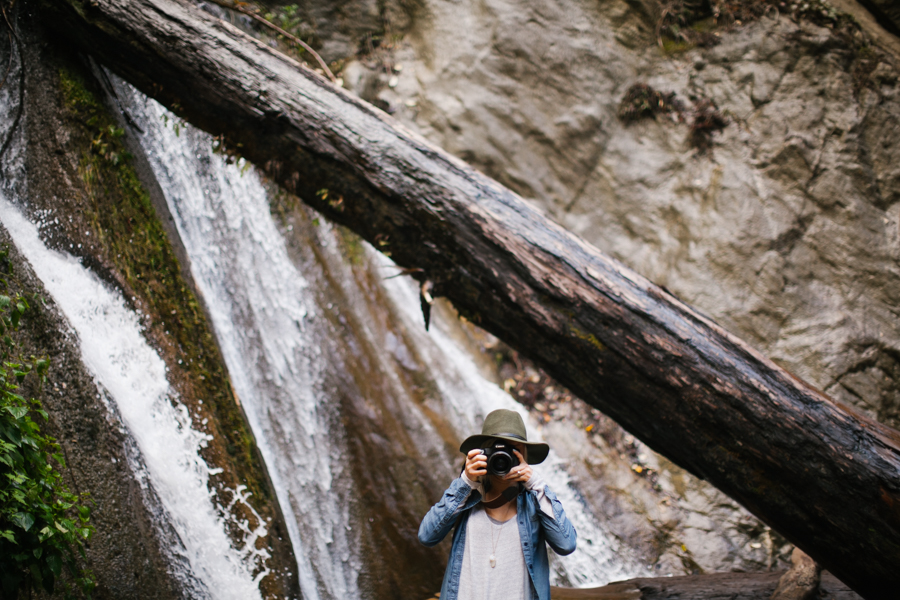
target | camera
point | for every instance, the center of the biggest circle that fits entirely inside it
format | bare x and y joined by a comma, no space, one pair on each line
500,458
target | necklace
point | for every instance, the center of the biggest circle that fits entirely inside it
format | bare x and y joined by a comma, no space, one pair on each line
493,558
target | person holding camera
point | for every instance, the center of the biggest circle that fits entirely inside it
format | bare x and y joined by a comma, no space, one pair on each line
505,516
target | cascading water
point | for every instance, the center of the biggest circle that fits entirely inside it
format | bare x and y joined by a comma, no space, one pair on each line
133,377
259,306
272,334
162,445
467,398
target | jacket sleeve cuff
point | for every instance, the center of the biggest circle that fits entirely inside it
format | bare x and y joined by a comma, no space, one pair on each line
472,484
536,483
539,487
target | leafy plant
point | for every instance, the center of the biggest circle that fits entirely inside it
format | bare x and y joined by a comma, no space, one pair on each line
290,19
108,144
43,526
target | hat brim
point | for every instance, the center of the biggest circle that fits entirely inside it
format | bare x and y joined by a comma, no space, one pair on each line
537,451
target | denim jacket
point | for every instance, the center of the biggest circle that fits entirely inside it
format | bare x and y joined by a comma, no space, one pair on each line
535,528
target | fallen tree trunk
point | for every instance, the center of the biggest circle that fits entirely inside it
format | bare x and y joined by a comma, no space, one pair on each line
825,477
717,586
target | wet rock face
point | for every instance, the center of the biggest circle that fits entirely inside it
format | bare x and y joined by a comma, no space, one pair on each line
786,230
397,448
69,173
125,551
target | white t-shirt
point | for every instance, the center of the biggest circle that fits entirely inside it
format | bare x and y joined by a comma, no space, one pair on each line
509,579
488,538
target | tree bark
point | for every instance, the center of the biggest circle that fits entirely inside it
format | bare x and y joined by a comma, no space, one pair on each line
717,586
824,476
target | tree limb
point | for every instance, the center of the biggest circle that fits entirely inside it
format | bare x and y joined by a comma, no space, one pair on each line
715,586
824,476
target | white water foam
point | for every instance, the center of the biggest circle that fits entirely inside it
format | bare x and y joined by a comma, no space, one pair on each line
128,370
468,397
263,314
260,308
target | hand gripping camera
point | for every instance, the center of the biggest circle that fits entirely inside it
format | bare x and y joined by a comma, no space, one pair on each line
500,458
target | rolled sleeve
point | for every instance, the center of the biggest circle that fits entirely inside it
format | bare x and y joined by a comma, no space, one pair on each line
559,532
539,486
440,518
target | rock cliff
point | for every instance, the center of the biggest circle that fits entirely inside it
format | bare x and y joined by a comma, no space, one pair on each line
783,226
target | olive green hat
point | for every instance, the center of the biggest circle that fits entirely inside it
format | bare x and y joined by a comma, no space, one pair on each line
506,425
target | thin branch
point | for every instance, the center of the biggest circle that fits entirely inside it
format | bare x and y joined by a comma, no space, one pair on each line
11,32
21,104
404,272
274,27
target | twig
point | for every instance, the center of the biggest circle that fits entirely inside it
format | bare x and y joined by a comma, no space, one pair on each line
274,27
71,470
404,272
10,33
21,104
104,78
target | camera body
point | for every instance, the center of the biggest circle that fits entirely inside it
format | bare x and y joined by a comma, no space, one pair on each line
500,458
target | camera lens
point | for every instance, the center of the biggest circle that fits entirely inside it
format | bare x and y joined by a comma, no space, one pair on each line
500,464
500,460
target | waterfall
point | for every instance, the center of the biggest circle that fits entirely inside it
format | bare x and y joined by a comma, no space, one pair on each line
272,333
261,313
162,445
468,397
132,376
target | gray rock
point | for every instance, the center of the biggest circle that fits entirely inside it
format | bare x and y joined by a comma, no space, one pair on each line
787,232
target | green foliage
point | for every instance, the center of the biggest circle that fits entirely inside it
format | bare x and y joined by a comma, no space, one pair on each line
43,526
108,145
119,213
77,97
106,142
287,17
290,19
352,246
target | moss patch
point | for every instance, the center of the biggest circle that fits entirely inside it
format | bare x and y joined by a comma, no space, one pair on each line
351,245
118,234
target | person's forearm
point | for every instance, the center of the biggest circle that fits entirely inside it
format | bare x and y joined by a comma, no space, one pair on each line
558,530
439,520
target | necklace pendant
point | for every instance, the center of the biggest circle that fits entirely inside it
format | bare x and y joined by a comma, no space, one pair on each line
493,561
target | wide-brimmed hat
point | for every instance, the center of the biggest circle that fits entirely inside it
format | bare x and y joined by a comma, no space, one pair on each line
506,425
